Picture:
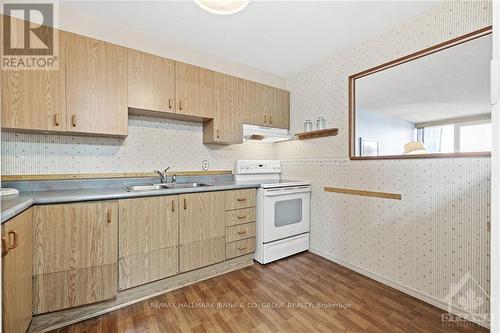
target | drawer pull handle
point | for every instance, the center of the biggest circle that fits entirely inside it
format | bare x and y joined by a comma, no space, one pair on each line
109,216
5,249
173,206
242,217
242,248
242,232
57,119
241,199
12,245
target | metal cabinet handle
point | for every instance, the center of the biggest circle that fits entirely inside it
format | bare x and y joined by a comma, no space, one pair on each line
242,232
265,119
241,199
271,120
73,120
241,217
180,105
109,215
5,249
218,134
242,248
170,104
56,119
185,204
173,205
12,245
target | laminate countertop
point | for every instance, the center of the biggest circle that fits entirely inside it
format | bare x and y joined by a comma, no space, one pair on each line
13,205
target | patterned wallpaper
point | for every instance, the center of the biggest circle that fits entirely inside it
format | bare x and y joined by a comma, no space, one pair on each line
152,143
437,232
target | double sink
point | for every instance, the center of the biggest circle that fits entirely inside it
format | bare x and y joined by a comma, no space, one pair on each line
163,186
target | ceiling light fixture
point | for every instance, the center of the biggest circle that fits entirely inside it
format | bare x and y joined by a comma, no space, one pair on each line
222,7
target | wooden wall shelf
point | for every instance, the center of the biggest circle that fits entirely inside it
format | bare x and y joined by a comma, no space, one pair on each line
385,195
318,134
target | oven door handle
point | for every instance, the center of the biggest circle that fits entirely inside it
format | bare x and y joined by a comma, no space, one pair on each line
286,191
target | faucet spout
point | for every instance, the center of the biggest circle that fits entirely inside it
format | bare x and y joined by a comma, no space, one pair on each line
163,175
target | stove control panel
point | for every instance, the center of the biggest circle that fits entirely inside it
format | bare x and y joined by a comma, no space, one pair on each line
257,166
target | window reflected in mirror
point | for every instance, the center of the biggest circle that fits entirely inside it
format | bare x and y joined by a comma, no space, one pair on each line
434,102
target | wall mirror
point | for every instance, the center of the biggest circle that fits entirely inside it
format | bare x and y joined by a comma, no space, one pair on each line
433,103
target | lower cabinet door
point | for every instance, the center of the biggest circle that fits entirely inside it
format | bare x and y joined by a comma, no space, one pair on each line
202,253
16,273
142,268
61,290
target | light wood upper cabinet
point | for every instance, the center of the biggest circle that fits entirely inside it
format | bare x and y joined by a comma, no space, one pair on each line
34,99
75,250
151,82
96,86
194,90
282,113
201,229
227,124
148,239
16,273
251,102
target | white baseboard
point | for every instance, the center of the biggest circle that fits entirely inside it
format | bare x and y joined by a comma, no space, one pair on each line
410,291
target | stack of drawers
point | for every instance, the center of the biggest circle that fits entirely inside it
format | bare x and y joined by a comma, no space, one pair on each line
240,223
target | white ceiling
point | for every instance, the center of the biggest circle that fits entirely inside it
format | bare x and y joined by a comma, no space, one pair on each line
279,37
448,84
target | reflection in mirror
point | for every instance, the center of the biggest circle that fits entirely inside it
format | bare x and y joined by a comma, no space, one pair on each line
435,103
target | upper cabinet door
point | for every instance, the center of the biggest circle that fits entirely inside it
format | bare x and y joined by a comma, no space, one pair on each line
194,90
282,116
34,99
96,87
228,109
269,98
250,102
151,82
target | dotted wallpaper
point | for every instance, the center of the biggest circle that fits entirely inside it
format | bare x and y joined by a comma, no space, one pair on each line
152,143
438,231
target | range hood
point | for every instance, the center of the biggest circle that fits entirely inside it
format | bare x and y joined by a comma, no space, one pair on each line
265,134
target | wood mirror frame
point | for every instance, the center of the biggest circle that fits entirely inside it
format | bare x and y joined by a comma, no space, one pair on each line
436,48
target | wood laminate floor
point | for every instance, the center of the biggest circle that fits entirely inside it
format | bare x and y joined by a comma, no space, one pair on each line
297,294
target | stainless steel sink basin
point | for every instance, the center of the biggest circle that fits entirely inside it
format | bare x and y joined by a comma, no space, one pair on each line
135,188
153,187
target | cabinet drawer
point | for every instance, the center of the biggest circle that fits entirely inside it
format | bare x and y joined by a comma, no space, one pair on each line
240,199
62,290
239,248
241,231
240,216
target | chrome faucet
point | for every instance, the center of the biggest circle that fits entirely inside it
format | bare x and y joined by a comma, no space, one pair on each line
174,178
163,175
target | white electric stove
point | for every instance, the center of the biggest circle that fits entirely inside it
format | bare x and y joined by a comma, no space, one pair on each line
283,209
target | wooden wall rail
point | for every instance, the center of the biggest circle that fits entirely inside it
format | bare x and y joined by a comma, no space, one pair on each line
364,193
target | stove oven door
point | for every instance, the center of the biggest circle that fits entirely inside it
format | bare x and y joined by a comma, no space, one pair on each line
286,212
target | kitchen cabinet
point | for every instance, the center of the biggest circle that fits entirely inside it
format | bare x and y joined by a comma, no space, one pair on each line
226,127
16,273
282,110
96,87
201,229
238,199
148,239
151,82
34,99
251,102
194,91
74,254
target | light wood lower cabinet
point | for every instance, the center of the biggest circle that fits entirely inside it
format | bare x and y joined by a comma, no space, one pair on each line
201,229
16,273
75,250
148,239
238,199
